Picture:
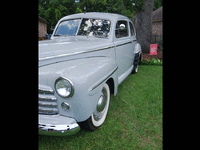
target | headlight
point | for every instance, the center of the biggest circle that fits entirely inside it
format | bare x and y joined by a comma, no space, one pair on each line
64,87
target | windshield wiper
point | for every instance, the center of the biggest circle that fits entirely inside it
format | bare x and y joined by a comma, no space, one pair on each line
57,34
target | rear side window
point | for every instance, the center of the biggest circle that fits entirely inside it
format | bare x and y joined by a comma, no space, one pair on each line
121,29
131,28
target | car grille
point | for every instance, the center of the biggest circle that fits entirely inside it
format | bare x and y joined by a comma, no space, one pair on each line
47,102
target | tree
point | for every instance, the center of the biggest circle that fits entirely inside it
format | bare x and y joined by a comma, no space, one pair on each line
157,4
53,10
143,25
123,7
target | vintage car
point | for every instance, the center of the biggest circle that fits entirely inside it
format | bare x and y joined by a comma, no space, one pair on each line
87,57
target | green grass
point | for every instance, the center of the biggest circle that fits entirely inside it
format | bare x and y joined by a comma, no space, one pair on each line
134,119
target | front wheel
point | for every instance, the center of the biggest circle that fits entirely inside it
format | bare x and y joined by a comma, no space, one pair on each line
135,63
99,115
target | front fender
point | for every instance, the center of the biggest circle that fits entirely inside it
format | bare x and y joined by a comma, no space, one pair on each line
88,76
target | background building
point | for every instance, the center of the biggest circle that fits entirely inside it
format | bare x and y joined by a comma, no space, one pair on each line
42,25
157,25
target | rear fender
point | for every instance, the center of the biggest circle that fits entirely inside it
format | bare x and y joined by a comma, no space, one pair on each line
137,48
138,51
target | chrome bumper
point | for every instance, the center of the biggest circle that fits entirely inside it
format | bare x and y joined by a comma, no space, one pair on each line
57,125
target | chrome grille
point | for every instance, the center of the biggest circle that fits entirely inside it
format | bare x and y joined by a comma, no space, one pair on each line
47,102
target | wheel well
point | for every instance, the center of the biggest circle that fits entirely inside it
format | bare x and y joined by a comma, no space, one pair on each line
140,59
110,83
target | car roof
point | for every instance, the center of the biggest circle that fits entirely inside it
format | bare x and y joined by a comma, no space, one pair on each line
101,15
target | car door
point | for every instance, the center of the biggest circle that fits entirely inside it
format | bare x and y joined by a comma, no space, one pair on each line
124,49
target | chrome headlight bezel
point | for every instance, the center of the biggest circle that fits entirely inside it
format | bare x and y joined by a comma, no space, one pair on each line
69,85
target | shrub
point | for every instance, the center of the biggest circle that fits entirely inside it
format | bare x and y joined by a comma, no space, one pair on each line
153,61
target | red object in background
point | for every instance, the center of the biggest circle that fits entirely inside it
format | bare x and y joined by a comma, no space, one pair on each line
153,49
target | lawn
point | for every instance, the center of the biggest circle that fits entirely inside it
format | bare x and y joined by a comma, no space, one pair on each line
134,119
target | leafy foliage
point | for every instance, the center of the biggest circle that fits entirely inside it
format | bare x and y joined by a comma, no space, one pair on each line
157,4
53,10
154,62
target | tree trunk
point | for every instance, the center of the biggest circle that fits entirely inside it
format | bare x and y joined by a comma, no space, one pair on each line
143,25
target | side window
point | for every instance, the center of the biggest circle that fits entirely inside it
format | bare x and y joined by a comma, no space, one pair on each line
131,28
121,29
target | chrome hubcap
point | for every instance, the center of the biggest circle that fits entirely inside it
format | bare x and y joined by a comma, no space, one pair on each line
136,69
101,104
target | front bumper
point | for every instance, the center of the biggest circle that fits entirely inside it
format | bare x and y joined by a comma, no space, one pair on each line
57,125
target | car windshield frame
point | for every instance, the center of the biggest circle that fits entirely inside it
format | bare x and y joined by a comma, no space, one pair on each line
92,27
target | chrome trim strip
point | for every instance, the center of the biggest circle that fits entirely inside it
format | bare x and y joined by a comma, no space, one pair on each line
75,53
48,98
81,52
45,89
48,110
124,43
47,104
96,85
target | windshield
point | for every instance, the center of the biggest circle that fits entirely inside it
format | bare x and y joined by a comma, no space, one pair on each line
88,27
68,27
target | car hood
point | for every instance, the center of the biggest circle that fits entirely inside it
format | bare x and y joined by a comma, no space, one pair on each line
74,47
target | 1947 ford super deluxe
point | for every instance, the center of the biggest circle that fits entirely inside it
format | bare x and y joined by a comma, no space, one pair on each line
87,57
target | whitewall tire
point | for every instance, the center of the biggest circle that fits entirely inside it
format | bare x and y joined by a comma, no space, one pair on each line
99,115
